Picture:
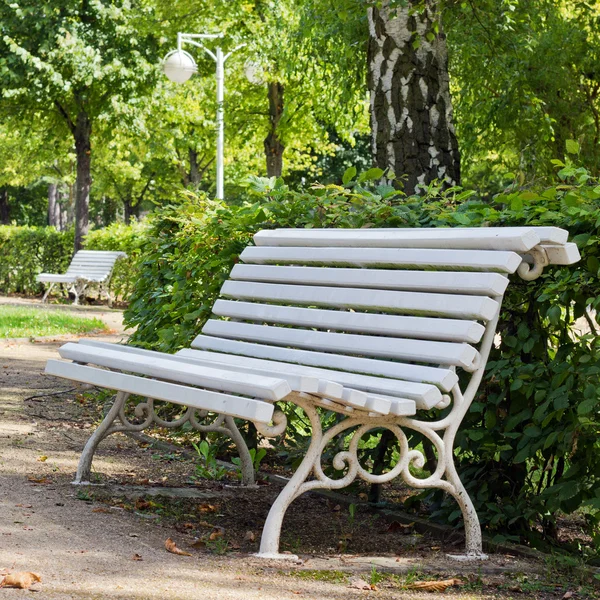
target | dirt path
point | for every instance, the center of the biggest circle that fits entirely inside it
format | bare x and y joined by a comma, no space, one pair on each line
85,549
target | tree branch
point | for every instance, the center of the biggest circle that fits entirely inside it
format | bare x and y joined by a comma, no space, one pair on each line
65,115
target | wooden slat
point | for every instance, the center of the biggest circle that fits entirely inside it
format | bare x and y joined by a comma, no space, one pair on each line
444,378
444,353
92,253
517,239
298,382
447,305
562,255
482,238
226,380
227,352
401,407
450,330
453,282
55,278
236,406
470,260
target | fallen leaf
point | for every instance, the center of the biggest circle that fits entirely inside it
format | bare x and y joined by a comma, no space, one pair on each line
173,549
207,508
187,525
42,458
434,586
198,543
396,526
337,508
23,580
142,504
40,480
364,497
215,535
101,510
137,557
568,595
250,536
356,583
205,524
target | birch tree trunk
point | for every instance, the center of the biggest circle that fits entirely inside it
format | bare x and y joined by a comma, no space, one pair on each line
53,206
411,110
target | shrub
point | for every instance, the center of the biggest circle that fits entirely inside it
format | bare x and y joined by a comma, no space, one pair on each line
529,445
28,251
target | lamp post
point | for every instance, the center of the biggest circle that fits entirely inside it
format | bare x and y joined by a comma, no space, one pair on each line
180,65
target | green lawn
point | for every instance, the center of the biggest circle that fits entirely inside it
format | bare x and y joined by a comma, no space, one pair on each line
22,322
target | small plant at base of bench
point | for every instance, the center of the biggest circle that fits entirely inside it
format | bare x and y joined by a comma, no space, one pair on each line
209,468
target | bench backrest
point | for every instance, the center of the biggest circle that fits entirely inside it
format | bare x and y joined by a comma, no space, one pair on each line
411,305
96,265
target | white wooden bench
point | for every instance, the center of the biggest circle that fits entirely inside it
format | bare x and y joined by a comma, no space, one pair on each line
372,324
87,267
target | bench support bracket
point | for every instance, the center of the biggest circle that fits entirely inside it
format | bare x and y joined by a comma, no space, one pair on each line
116,421
441,433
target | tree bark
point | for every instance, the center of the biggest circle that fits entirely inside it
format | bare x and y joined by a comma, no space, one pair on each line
53,206
273,145
194,176
83,150
411,109
4,208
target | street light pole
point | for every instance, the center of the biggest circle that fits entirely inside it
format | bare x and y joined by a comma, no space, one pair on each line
179,66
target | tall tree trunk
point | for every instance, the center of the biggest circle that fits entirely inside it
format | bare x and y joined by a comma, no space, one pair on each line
273,145
129,210
411,110
195,176
4,208
83,150
53,206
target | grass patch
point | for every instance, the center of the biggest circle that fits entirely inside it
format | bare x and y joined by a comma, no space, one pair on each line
24,322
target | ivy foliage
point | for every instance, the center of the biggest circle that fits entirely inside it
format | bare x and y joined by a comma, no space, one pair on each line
529,444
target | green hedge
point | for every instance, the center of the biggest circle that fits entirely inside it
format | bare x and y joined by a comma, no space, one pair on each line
28,251
529,446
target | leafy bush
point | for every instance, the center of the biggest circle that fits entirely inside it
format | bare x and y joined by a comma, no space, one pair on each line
529,445
28,251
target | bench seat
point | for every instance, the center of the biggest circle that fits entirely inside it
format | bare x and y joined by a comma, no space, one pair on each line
375,325
87,267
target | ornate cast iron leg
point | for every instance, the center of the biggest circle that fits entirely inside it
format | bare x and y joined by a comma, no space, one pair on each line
47,292
246,464
84,469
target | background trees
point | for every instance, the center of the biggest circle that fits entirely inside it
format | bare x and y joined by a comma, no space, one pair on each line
80,82
80,65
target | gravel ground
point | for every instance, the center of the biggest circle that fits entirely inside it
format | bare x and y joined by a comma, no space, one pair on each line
87,550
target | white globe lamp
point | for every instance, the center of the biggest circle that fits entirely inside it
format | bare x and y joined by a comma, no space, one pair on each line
179,66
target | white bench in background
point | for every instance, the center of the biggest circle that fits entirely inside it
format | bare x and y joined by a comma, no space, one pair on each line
87,267
374,324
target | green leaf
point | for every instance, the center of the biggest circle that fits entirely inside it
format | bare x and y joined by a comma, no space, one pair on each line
572,147
587,406
516,204
371,174
349,175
